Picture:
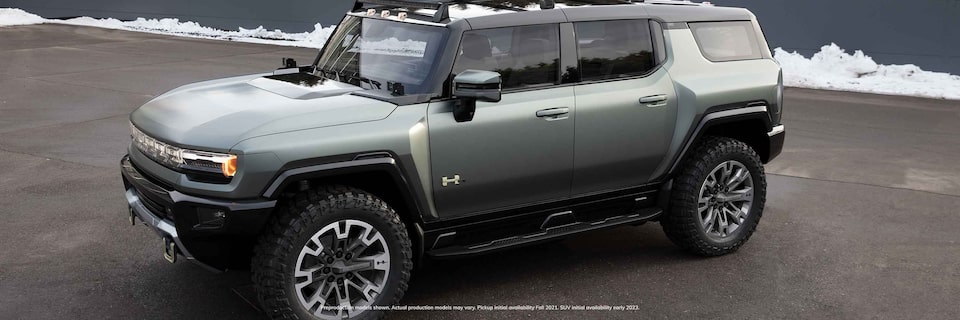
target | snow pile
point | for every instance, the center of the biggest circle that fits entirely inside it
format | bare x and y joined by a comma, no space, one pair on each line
834,69
16,17
314,39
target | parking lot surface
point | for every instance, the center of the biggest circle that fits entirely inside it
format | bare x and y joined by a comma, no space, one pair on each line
861,221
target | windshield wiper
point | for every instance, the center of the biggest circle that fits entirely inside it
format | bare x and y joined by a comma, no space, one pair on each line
349,78
327,72
362,79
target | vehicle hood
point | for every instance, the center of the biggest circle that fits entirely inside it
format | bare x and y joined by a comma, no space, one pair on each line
216,115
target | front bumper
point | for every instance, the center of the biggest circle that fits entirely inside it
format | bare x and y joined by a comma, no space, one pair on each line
776,137
176,217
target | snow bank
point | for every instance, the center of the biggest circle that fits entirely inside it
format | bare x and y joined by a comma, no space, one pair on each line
16,17
834,69
313,39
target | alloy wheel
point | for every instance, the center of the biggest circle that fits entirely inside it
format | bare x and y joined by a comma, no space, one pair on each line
725,200
342,269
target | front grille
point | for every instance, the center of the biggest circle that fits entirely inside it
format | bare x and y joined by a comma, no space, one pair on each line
155,207
157,182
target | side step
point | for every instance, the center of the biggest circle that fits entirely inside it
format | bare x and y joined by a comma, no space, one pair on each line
544,235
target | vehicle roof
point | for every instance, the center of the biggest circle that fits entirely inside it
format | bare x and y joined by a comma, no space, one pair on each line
491,14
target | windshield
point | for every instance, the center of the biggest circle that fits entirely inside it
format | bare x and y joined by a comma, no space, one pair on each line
388,56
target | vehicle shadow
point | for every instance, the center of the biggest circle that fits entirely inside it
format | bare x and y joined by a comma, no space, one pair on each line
567,272
540,274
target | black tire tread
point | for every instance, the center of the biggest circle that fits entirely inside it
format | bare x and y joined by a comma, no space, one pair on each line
682,229
292,217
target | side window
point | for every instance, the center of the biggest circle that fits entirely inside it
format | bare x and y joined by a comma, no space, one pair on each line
726,41
614,49
524,56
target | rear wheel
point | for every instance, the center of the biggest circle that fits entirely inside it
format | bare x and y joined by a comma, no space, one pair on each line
332,253
717,199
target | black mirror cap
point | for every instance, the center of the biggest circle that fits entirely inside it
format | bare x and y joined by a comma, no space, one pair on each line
464,109
478,85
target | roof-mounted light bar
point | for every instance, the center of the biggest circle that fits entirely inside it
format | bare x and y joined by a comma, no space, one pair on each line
435,5
441,6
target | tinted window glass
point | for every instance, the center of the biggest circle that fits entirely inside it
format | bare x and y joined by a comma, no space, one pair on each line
726,41
392,53
614,49
524,56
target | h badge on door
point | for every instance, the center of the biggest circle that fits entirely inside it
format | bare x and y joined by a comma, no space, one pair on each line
446,181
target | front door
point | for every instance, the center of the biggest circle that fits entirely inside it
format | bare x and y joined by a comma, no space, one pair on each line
515,152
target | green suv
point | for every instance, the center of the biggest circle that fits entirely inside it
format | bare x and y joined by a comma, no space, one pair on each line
447,129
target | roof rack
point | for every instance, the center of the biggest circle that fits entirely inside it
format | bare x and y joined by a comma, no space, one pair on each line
673,2
441,6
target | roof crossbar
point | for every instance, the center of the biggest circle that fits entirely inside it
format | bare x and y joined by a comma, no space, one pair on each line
442,6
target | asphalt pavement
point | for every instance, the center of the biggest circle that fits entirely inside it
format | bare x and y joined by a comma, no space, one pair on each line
861,220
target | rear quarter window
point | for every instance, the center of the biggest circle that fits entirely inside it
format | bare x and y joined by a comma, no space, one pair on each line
726,41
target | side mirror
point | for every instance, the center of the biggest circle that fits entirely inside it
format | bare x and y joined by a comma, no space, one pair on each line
471,86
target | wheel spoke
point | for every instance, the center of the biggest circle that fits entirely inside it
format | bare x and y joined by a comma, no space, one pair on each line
737,178
733,215
343,300
711,180
341,235
710,220
724,222
320,296
703,204
366,287
307,274
380,261
356,247
727,169
745,194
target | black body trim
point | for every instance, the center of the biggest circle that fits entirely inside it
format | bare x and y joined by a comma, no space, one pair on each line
361,163
500,229
722,114
776,144
544,234
223,247
286,177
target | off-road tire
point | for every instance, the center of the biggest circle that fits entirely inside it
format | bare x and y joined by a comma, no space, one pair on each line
275,255
682,222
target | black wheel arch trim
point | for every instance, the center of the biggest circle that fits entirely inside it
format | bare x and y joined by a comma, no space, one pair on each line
719,115
379,162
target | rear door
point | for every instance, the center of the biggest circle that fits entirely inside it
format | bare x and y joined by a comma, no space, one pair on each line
626,106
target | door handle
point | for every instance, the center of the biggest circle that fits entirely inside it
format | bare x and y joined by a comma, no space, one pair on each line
552,112
654,100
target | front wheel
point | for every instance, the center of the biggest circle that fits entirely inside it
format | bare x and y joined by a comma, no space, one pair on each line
717,199
332,253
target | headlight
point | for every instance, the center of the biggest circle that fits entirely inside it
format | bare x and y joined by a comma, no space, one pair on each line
225,163
178,158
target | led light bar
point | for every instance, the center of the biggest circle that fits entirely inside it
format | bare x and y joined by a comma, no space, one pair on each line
178,158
